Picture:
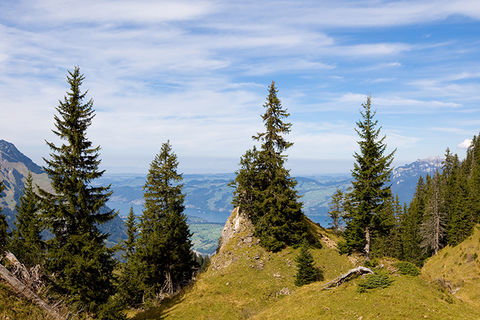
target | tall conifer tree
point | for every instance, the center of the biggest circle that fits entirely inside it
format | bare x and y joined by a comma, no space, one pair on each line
264,189
129,243
164,248
371,175
433,228
411,221
27,242
77,254
130,280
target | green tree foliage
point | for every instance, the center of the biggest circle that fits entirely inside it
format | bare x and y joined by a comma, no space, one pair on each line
371,175
411,220
407,268
433,228
77,254
129,243
164,249
374,281
130,280
460,219
386,240
306,271
26,242
336,209
265,192
3,224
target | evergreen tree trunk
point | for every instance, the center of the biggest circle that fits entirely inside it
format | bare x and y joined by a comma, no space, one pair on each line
367,243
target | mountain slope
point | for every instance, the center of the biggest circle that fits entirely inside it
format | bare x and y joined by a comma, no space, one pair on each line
405,178
457,269
244,279
14,167
209,197
246,282
407,298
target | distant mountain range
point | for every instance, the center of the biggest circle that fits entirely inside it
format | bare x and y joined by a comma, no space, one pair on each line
208,196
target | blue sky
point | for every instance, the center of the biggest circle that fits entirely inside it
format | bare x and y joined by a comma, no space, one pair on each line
196,73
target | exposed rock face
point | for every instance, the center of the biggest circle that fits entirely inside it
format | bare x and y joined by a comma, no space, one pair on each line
237,228
237,233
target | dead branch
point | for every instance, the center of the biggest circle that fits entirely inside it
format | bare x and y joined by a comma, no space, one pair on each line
352,273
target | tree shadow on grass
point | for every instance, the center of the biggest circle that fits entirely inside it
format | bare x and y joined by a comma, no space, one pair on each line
158,312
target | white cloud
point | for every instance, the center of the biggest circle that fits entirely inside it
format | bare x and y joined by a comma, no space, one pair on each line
195,71
465,144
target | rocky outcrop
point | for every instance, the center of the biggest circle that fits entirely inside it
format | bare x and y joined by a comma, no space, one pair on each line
237,233
238,229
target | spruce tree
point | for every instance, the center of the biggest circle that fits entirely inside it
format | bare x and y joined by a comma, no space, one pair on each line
336,209
265,192
130,283
306,271
371,175
473,184
459,219
26,241
129,243
77,254
411,221
164,248
385,240
3,224
433,228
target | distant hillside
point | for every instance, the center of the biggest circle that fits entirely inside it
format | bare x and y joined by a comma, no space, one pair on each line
14,167
209,197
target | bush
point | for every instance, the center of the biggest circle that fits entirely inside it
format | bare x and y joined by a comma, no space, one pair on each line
343,248
371,263
407,268
306,271
373,281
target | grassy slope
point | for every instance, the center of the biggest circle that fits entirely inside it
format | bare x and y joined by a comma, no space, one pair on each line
13,307
458,269
243,280
407,298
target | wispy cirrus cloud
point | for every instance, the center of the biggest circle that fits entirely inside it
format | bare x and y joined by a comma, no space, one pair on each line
196,72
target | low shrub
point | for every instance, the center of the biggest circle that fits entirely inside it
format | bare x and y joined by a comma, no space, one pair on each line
371,263
407,268
373,281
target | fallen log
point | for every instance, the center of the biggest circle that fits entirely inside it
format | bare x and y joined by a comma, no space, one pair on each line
25,291
352,273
